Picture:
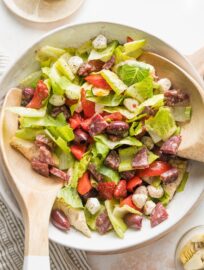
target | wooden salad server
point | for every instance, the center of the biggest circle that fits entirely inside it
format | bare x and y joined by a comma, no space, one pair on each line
35,194
192,145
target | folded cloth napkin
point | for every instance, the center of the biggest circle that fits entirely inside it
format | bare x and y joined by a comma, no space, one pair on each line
12,247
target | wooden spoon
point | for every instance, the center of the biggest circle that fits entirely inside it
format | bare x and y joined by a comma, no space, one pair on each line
35,194
192,145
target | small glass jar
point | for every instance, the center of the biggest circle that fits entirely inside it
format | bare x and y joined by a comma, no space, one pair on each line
183,241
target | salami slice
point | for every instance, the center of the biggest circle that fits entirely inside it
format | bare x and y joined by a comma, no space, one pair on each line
98,125
97,176
169,176
103,223
59,173
43,140
91,66
176,97
127,175
140,161
40,167
159,214
112,160
171,145
109,63
45,156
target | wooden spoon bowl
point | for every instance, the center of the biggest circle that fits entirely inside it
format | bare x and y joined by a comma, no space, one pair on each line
34,193
192,145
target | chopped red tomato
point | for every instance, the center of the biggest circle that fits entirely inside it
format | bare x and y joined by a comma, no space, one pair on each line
70,102
88,106
84,184
75,120
133,183
128,201
120,190
40,94
155,169
129,39
78,151
117,116
98,81
86,123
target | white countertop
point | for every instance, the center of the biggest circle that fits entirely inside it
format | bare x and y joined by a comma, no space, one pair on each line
178,22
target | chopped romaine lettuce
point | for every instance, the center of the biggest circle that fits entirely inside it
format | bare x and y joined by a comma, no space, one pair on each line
63,66
112,79
131,47
131,74
181,114
66,132
31,80
141,90
184,180
79,169
104,54
151,157
110,100
120,212
28,112
136,128
110,175
118,224
59,141
66,160
162,124
70,196
165,199
28,133
48,52
120,55
85,47
111,145
126,157
122,110
73,91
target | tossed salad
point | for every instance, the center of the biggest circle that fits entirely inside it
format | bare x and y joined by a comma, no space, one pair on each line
103,121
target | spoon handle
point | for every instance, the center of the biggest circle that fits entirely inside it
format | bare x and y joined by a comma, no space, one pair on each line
36,262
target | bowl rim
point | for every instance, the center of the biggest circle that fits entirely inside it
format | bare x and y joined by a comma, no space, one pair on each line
68,26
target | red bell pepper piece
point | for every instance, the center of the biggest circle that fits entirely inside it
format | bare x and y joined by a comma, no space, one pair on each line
40,94
75,120
128,201
98,81
84,184
88,106
120,190
155,169
78,151
86,123
133,183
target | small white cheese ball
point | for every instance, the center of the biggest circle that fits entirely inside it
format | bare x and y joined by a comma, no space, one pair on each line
100,42
57,100
93,205
139,200
155,192
74,63
149,207
141,190
165,84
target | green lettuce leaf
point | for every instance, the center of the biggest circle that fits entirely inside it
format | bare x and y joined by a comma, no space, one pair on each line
131,74
133,46
110,100
31,80
126,157
165,199
141,90
122,110
70,197
111,145
136,128
104,54
79,169
59,141
110,175
184,180
181,114
63,66
66,132
120,212
151,157
66,160
117,223
28,112
162,124
28,133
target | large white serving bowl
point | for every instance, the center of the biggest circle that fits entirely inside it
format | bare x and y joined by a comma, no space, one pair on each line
181,204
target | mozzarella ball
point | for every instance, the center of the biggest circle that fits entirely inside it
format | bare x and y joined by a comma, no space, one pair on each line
149,207
74,63
165,84
93,205
141,190
155,192
139,200
100,42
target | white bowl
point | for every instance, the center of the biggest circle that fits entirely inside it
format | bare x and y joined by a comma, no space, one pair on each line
181,204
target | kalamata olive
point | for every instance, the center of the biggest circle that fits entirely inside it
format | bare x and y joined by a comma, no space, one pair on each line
118,128
27,95
80,136
127,175
60,109
112,160
59,220
133,221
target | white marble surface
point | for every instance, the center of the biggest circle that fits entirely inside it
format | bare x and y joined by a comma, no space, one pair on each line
179,22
